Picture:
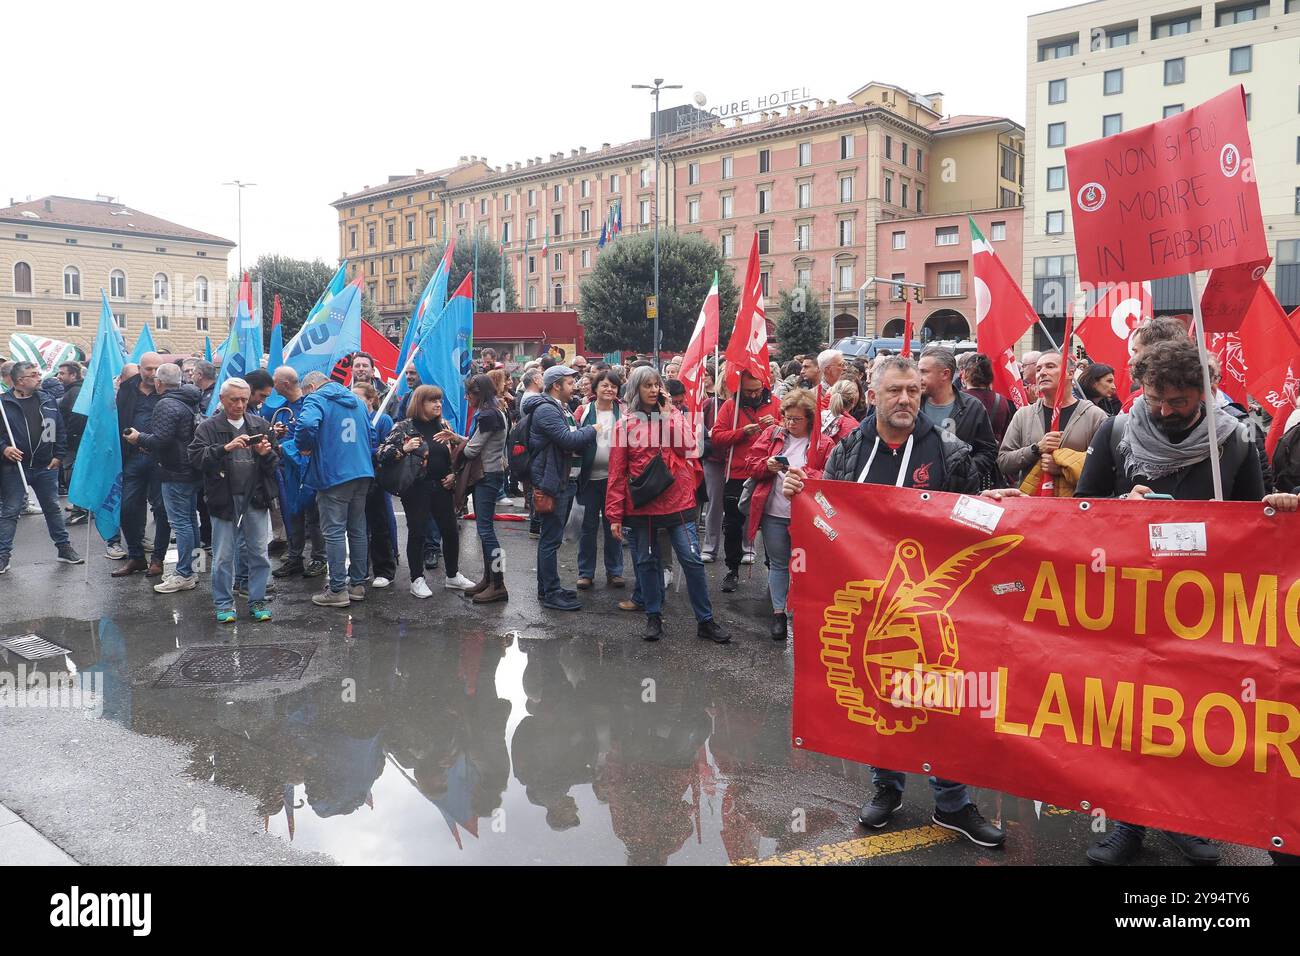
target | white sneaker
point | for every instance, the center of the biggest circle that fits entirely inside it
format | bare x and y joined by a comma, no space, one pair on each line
707,557
420,589
459,583
380,582
668,579
115,552
747,557
174,582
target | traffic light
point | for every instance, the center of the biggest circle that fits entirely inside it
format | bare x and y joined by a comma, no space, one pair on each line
918,294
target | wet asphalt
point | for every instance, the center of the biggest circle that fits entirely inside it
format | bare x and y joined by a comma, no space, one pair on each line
401,731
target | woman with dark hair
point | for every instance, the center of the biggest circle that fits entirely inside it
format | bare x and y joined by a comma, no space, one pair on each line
487,442
977,377
426,434
1097,382
593,481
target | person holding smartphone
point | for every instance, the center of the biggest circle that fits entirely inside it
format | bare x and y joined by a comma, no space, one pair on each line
795,443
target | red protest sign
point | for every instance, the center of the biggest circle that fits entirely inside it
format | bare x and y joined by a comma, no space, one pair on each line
1170,198
1159,684
1229,293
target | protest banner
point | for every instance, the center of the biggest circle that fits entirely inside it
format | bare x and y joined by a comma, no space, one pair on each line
1229,292
1150,673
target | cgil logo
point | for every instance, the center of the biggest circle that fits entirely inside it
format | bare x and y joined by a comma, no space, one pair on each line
1229,160
103,909
1092,196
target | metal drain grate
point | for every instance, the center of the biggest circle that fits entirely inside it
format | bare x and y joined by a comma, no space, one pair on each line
203,666
32,647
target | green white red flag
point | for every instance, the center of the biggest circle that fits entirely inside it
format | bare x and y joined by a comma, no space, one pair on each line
704,341
1002,316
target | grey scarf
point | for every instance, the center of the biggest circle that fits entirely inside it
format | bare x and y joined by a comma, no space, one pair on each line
1146,451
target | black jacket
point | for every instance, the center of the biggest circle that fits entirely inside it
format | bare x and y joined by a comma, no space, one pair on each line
207,453
171,429
971,424
940,461
1265,466
128,393
39,449
76,424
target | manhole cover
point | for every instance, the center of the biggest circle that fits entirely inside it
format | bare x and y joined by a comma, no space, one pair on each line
32,647
200,666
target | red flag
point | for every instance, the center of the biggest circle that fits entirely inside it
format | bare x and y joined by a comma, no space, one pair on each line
747,351
1168,198
1002,315
907,330
1226,347
1008,380
1269,345
1229,293
246,292
704,340
1106,330
275,312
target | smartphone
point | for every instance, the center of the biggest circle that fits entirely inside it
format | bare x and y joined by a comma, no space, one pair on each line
1157,496
783,462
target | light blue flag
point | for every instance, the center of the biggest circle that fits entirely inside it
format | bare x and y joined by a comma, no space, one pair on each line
336,285
427,309
444,355
143,344
244,356
324,342
108,336
274,359
207,349
96,483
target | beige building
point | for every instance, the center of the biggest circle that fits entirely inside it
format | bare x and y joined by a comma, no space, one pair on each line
57,253
1098,68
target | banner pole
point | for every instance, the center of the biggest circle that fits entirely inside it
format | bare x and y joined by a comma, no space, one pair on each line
22,472
410,360
1211,406
1051,341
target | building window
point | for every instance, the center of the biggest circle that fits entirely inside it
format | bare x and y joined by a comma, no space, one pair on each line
692,210
482,207
949,283
1172,110
900,240
692,173
1112,123
846,189
201,323
1112,82
903,195
803,236
410,227
584,219
889,189
728,245
557,262
1008,198
557,295
1055,92
765,200
1180,24
1117,37
584,189
532,264
1057,49
531,226
1055,222
846,232
505,237
902,158
352,238
370,236
201,291
846,146
764,160
532,197
919,164
508,201
1239,59
726,167
460,210
162,322
119,319
557,225
997,232
764,242
803,276
161,291
391,231
805,195
644,207
726,206
557,194
1288,252
1055,134
1055,178
72,320
1226,15
390,288
586,258
946,236
613,183
532,297
1175,71
846,277
23,317
644,181
72,282
918,200
763,281
889,147
805,154
22,278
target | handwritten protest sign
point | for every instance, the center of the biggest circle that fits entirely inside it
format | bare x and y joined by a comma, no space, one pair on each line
1229,293
1170,198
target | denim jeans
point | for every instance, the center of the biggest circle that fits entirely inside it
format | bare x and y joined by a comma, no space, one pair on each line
343,524
45,483
649,571
246,536
180,498
485,509
548,545
592,499
142,490
776,544
949,796
301,527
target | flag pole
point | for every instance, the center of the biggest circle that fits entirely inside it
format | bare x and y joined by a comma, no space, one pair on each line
22,472
410,360
1051,341
90,519
1211,406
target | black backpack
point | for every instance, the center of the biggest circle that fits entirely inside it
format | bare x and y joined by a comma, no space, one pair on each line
518,451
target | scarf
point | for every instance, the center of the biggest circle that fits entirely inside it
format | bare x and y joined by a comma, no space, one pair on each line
1148,452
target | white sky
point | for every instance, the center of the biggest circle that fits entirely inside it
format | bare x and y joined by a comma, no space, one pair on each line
157,105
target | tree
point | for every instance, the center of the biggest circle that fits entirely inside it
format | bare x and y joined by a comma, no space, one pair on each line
800,323
299,284
486,298
613,296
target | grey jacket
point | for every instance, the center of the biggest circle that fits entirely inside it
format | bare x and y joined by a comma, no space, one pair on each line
1016,456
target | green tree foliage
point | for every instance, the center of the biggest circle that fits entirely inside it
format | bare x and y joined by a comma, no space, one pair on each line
487,298
299,284
800,323
613,296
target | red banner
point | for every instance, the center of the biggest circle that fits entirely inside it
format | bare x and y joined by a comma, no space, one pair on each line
1169,198
1141,660
1229,293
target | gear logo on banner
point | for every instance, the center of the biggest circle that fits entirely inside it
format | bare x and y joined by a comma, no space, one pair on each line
881,635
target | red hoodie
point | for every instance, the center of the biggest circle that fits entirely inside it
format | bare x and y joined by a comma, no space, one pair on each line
729,432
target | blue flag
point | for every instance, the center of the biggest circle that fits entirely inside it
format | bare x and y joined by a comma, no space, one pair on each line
244,356
274,359
111,340
444,355
336,285
207,349
143,344
427,309
96,483
324,342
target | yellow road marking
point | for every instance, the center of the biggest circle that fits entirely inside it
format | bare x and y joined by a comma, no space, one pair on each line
863,848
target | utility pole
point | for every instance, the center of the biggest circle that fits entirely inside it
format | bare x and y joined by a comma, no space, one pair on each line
658,85
240,212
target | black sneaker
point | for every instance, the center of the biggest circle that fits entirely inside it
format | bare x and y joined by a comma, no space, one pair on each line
431,560
970,823
289,566
68,555
778,629
1119,847
730,582
713,631
1196,849
4,564
875,813
654,627
315,568
78,516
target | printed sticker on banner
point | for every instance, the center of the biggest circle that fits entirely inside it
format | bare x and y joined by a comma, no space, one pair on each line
1011,587
977,513
830,532
825,505
1186,539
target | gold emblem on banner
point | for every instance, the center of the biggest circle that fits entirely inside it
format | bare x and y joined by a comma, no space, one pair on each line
898,630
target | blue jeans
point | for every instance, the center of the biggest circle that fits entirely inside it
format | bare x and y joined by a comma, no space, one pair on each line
548,545
343,524
949,796
180,498
299,528
45,483
486,493
142,490
592,498
247,536
649,572
776,544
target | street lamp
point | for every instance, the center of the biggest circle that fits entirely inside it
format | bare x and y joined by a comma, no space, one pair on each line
240,207
658,85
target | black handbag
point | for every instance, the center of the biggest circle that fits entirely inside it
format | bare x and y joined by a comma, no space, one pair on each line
651,483
397,476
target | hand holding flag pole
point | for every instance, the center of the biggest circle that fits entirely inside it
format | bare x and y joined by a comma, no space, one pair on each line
1046,483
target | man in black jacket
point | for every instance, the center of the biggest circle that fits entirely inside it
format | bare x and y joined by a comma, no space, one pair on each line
963,415
899,446
141,481
171,429
70,376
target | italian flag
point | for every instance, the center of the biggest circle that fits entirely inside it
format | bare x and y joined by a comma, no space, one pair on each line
1002,316
704,342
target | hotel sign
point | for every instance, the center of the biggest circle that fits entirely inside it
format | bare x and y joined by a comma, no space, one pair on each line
776,99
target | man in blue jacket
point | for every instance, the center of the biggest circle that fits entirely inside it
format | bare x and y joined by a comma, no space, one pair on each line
334,430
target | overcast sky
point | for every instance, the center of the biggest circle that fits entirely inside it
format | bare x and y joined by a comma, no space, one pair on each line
157,105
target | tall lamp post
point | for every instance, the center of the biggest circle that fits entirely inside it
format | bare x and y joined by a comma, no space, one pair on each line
240,207
658,85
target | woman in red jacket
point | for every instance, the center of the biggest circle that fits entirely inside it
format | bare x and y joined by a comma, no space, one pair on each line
796,443
653,430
